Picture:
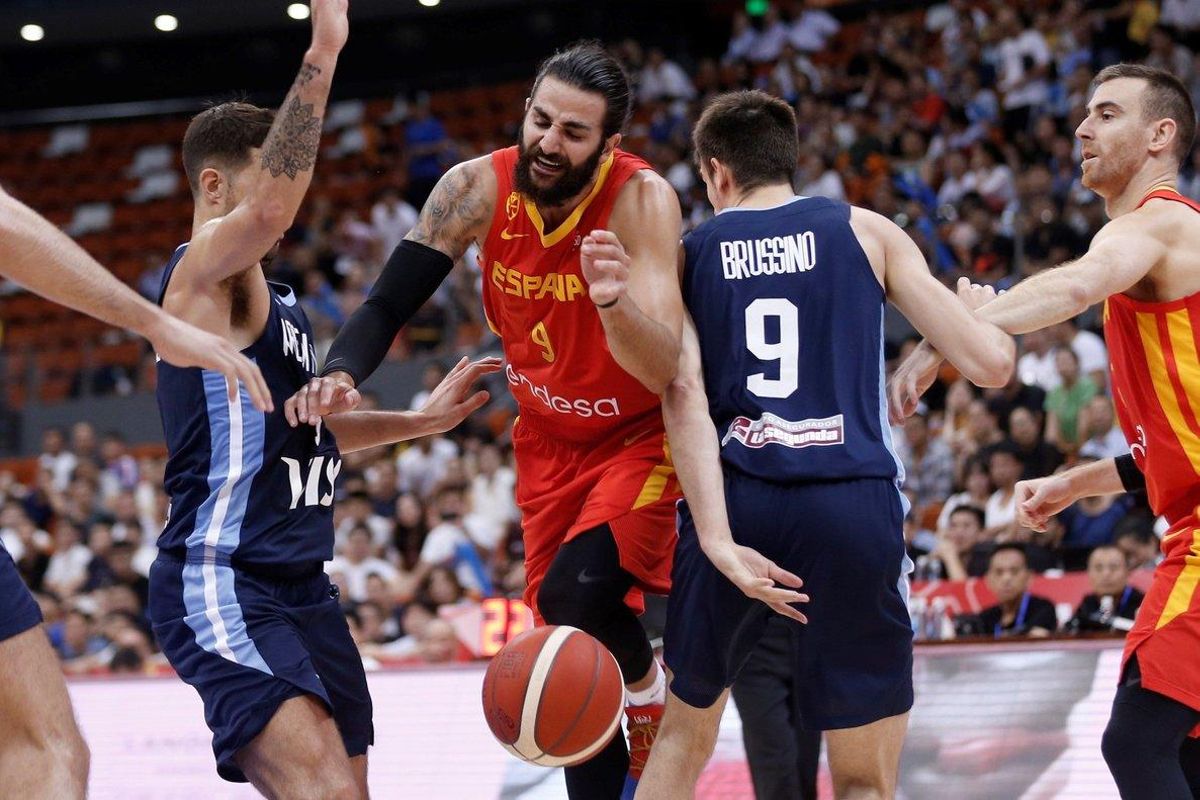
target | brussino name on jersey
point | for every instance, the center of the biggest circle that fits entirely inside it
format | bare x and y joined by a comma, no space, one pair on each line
773,255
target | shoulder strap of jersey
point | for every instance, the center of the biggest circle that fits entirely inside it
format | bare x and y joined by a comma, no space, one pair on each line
624,166
176,257
1170,194
504,164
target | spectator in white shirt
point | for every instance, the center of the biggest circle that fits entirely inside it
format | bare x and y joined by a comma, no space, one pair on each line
355,563
423,465
448,545
1005,467
20,536
769,44
1036,366
392,217
812,30
742,40
67,569
1182,15
356,510
663,78
56,458
1024,62
493,489
1092,352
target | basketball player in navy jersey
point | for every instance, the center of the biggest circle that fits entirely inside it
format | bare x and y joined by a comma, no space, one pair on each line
42,754
778,424
238,597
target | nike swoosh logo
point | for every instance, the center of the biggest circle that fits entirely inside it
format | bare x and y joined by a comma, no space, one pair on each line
631,439
506,236
584,577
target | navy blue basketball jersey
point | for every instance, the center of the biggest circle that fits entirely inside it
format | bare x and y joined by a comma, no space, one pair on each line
244,484
790,320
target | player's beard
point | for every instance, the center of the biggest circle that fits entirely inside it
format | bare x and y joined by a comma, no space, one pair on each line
573,180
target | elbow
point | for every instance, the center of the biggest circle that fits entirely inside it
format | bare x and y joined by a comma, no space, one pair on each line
678,390
1080,295
273,217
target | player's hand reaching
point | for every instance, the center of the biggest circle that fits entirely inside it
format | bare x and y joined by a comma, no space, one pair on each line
452,401
605,267
331,394
1040,499
184,345
912,379
330,24
759,577
974,295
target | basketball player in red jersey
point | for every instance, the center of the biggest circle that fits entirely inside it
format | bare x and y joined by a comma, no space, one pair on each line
579,244
1145,265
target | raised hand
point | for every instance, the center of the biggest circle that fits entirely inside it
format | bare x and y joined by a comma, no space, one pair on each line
331,394
757,576
330,24
184,345
451,401
605,266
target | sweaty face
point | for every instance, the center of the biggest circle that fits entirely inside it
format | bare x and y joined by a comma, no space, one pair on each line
1113,136
561,143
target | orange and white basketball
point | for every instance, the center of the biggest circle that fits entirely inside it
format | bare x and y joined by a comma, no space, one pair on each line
553,696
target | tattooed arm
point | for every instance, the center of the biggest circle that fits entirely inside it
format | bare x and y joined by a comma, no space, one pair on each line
272,192
458,212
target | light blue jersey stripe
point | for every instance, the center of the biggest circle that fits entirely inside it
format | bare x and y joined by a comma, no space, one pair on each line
237,434
885,429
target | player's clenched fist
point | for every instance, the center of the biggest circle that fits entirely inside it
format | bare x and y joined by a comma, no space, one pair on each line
1040,499
332,394
605,267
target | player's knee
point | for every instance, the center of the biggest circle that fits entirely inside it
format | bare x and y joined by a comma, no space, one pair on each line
1123,748
564,599
694,742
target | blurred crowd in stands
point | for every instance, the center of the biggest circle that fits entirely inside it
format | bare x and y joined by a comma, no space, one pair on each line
955,120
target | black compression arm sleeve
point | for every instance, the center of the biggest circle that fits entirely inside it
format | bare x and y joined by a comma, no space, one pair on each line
1131,477
410,277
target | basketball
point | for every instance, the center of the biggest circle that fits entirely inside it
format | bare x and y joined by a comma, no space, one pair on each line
553,696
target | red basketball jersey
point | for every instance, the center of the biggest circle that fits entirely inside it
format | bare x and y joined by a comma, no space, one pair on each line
560,370
1156,390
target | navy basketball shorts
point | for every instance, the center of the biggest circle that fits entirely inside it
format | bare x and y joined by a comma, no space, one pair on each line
247,643
853,662
18,610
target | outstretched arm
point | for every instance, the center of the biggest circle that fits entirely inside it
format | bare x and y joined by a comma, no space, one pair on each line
1121,254
457,212
697,457
44,260
449,404
982,352
632,278
231,243
1039,500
